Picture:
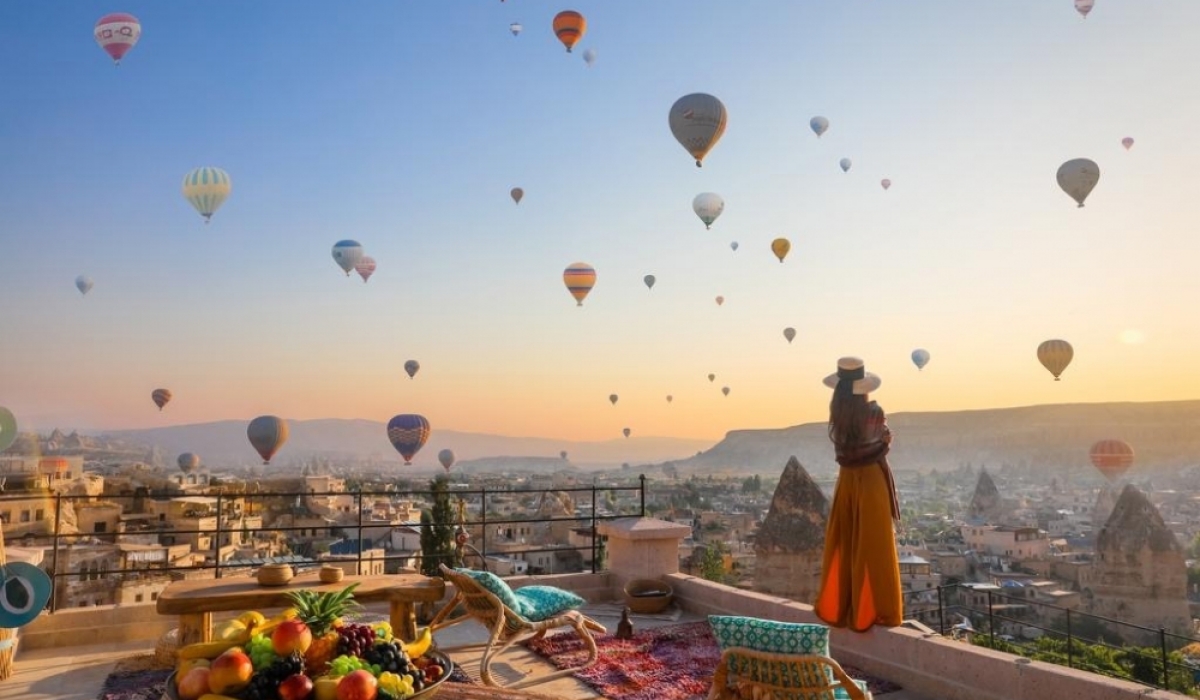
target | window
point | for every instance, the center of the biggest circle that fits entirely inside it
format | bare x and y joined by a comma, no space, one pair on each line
24,516
99,527
154,595
137,598
39,514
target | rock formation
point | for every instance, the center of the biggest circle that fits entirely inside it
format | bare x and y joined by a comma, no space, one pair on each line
1106,501
791,540
986,505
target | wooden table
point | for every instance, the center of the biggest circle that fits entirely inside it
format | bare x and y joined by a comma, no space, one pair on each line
194,601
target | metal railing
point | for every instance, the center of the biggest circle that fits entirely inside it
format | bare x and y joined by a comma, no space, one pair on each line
1136,652
624,501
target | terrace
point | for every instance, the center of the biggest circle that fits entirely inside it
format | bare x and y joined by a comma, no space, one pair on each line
58,655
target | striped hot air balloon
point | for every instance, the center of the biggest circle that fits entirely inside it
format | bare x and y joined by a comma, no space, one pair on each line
117,33
160,397
569,27
267,434
207,189
1112,457
579,278
408,433
1055,355
188,462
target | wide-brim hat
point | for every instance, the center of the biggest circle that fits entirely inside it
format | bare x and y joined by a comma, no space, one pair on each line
853,368
24,592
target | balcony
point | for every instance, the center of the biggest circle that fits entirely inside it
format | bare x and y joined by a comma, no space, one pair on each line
55,661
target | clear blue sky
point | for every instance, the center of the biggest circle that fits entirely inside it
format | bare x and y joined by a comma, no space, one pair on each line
404,124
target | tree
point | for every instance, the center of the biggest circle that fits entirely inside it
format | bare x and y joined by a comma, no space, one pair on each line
712,566
437,529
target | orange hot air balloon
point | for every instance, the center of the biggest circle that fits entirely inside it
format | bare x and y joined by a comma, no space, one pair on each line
160,397
579,278
780,247
1055,355
569,27
1112,457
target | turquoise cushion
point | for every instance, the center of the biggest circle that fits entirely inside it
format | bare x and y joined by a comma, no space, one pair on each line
539,603
494,585
770,635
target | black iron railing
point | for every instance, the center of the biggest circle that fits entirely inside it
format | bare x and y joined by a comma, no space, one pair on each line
1057,634
229,508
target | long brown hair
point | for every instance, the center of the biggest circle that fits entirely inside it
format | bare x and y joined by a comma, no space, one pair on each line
848,414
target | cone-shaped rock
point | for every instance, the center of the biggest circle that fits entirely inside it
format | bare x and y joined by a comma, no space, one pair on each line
789,546
986,504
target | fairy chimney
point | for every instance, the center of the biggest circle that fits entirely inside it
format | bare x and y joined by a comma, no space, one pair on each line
1106,501
986,505
1139,575
790,543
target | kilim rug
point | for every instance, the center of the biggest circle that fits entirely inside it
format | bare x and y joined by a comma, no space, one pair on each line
664,663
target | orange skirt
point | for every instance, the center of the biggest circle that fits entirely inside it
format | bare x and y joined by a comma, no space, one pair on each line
860,578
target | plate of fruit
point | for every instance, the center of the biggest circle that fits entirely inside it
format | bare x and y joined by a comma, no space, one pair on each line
308,652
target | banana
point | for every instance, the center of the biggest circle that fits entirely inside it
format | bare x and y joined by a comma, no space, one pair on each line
185,665
421,645
252,619
232,631
269,626
204,650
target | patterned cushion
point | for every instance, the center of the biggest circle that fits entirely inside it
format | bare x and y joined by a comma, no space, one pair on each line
770,635
495,585
539,603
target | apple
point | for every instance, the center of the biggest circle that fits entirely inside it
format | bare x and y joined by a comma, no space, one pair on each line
289,636
326,687
295,687
230,672
357,685
193,684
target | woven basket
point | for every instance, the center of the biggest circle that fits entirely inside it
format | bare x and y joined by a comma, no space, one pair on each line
331,574
274,574
168,644
647,596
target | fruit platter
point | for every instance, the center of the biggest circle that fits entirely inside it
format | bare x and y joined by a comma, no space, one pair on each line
309,651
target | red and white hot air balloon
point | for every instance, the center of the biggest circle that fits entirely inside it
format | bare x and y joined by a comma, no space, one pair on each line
117,33
365,267
1112,457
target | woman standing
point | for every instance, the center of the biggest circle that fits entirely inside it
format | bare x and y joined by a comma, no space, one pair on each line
860,578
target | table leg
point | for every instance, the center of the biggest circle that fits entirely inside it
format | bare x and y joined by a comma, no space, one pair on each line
404,620
195,627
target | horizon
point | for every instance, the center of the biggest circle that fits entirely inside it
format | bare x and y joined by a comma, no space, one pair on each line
410,141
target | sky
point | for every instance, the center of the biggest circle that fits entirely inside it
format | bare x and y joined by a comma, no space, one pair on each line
404,125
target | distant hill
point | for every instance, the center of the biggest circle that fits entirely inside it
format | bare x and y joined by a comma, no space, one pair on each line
1163,434
224,443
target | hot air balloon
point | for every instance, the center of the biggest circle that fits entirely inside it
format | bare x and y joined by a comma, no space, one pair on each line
207,189
1127,142
626,431
160,397
446,457
780,247
8,428
117,33
347,254
845,164
697,121
188,462
920,358
819,125
649,280
365,267
708,206
734,246
711,377
886,184
411,367
515,28
613,399
1083,7
1078,178
589,57
725,390
267,434
1055,355
720,300
789,333
408,433
569,27
83,284
579,278
1112,457
670,398
563,454
516,193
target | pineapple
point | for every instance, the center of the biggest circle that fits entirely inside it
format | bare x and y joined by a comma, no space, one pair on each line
322,612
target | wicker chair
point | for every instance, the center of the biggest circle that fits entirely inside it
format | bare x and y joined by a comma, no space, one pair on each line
746,674
506,627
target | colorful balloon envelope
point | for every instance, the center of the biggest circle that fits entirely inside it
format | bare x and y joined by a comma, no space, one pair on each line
697,121
670,398
1127,142
920,358
720,300
515,28
569,27
517,194
819,125
733,246
845,164
160,397
725,390
708,206
886,184
83,284
408,433
347,254
117,33
365,268
446,457
612,398
267,434
589,57
207,189
1078,178
711,377
411,367
1055,355
649,280
780,247
1083,7
789,333
626,431
1112,457
8,428
188,462
579,278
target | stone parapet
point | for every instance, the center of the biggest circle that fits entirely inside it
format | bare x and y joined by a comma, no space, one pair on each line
642,548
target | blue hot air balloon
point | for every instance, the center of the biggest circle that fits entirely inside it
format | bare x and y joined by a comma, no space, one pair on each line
408,433
920,358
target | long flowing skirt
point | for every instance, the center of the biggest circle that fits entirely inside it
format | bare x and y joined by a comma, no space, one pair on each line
860,578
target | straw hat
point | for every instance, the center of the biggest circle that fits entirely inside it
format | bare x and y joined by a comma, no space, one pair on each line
853,369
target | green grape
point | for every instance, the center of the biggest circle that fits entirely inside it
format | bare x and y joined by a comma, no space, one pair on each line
261,653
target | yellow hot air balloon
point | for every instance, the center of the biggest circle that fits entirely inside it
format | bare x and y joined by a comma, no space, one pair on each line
1055,355
569,27
579,278
780,247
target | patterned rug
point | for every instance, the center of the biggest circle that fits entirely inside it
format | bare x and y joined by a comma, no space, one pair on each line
663,663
